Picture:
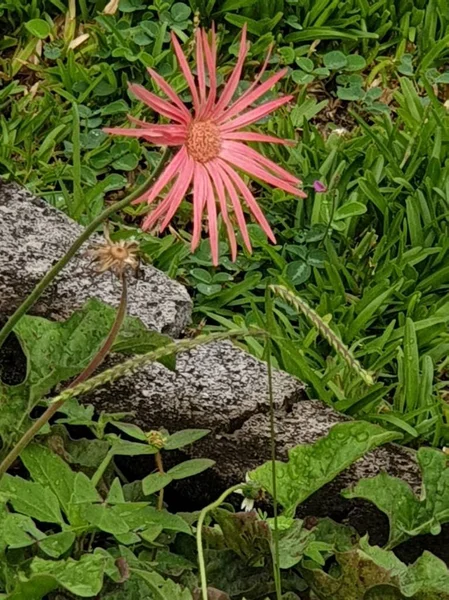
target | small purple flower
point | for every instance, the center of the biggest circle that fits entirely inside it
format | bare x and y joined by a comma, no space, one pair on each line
319,187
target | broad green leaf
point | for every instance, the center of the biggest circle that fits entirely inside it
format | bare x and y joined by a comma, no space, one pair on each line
106,518
409,515
348,210
32,499
151,532
292,544
298,272
335,60
311,466
51,471
15,404
83,578
57,544
18,531
139,516
115,494
155,482
125,448
135,338
34,588
191,467
132,430
84,490
183,438
163,589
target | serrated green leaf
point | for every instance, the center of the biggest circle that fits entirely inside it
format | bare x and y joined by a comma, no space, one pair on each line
311,466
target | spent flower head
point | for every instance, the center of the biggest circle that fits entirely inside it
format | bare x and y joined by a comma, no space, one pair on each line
212,150
117,257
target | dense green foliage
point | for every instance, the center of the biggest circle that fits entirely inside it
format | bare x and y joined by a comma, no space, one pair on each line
368,256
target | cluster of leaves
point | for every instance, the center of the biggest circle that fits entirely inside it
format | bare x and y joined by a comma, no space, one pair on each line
70,522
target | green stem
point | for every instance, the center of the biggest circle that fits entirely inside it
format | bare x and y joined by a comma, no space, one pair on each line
91,367
90,229
160,468
276,558
102,468
199,537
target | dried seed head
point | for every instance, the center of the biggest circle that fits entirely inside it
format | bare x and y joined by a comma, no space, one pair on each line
117,257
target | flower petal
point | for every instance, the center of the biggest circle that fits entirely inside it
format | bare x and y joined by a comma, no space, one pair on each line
184,66
251,167
170,92
234,79
212,217
248,99
219,186
170,171
254,115
251,136
201,72
235,204
211,61
251,201
245,152
199,200
158,104
179,191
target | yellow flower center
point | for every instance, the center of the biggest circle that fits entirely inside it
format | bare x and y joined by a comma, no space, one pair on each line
203,141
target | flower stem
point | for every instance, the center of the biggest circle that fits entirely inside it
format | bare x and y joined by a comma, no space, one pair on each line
91,367
276,555
160,468
85,235
199,537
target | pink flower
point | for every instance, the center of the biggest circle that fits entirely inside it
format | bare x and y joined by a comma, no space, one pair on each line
212,149
319,187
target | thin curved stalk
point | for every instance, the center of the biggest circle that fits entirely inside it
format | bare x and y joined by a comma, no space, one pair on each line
199,537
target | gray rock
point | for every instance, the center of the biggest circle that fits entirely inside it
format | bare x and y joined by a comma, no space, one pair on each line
215,386
35,235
